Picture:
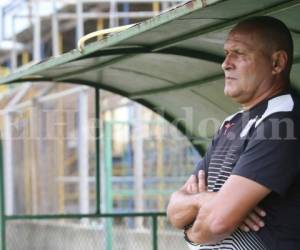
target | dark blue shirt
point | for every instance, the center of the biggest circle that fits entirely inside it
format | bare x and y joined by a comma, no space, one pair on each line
261,144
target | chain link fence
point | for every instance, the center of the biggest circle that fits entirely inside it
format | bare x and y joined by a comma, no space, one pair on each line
50,170
97,235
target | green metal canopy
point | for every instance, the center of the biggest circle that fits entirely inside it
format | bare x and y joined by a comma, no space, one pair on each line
170,63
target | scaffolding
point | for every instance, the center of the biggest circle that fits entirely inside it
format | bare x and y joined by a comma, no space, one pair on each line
35,34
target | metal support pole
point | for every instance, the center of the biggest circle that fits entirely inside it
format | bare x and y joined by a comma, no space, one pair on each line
108,182
97,132
37,33
154,233
25,57
34,134
8,165
2,204
126,10
138,163
55,30
14,49
60,142
156,7
113,21
79,25
83,153
165,5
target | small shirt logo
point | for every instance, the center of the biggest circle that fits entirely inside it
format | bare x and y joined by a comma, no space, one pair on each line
227,127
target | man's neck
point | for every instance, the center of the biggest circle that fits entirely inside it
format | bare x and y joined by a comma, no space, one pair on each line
266,95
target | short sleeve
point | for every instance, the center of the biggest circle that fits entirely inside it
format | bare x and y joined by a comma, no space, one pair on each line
271,156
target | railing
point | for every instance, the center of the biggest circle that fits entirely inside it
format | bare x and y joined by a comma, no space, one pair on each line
109,241
11,224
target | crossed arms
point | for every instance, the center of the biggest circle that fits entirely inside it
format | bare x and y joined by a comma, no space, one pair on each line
216,215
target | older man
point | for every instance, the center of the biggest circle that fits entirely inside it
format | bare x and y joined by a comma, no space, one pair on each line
245,193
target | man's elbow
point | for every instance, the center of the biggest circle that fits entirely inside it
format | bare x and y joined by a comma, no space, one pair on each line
221,227
215,221
213,231
177,223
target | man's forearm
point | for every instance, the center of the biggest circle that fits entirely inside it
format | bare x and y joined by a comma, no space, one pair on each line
205,230
183,207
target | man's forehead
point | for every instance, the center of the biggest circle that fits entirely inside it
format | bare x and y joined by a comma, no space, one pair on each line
238,37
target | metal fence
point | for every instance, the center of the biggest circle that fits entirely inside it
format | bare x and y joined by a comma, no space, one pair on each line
105,231
63,197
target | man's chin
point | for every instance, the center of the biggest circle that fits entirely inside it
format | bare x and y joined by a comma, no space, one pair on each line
229,93
232,95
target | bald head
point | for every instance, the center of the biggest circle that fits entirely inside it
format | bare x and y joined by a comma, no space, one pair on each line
273,34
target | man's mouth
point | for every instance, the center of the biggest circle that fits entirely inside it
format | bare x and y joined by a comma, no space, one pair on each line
230,78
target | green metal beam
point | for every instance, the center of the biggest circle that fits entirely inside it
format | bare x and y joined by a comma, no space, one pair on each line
141,94
97,141
134,49
191,53
154,233
81,216
297,32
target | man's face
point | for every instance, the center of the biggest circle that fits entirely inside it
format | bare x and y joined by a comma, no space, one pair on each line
247,67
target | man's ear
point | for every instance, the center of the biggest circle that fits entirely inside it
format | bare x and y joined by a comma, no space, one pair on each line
279,62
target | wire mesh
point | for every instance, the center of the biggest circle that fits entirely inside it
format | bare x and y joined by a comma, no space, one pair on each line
46,177
168,236
92,234
53,235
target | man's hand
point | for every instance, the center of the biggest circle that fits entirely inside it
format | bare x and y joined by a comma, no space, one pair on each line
194,187
191,186
184,204
254,220
201,182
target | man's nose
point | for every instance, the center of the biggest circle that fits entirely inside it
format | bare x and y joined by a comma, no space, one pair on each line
227,63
